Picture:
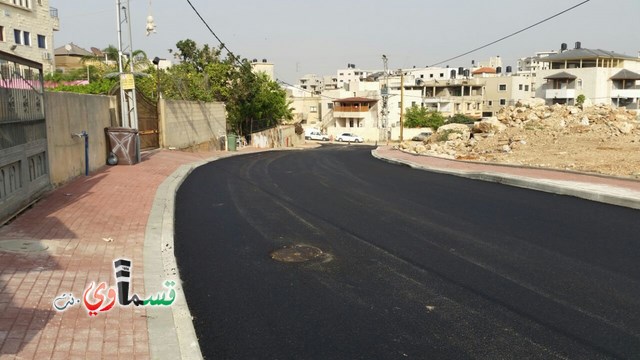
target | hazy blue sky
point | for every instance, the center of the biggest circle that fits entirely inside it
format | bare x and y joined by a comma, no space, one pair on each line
302,37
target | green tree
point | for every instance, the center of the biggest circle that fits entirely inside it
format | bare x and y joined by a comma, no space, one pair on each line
418,116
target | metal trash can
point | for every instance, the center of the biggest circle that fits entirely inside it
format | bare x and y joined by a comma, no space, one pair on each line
124,143
231,142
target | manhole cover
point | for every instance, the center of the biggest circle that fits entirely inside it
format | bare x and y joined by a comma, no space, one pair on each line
297,254
22,246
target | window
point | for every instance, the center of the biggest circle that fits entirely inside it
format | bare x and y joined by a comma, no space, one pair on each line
399,105
413,103
526,88
520,87
1,33
502,87
330,106
503,102
430,75
490,103
42,41
313,109
23,3
17,36
27,38
441,75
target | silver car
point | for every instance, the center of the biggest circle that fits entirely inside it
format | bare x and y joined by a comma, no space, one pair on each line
349,137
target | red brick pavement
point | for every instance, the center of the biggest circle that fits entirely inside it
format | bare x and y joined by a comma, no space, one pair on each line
73,222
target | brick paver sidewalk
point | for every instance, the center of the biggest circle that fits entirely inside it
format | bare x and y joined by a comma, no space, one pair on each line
86,225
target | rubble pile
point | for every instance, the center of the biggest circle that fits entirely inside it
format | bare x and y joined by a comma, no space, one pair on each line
589,138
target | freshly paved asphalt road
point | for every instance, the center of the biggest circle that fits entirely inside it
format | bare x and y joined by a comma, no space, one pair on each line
418,265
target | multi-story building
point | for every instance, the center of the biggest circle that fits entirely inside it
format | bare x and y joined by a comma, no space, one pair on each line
27,28
350,74
306,106
264,67
505,90
603,77
312,83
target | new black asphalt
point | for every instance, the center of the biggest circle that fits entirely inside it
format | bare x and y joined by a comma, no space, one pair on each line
416,265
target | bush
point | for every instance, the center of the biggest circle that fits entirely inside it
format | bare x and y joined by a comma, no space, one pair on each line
580,100
419,117
461,119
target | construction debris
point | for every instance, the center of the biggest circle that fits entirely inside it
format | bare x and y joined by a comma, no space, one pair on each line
599,139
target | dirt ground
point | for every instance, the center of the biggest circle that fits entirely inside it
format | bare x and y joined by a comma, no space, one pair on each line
596,139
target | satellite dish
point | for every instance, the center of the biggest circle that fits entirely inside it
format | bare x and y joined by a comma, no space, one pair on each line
68,47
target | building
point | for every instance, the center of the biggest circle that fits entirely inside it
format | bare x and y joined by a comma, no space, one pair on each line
71,57
601,76
312,83
264,67
350,74
505,90
306,106
532,64
27,29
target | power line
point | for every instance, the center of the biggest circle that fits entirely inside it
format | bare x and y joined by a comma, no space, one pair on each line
512,34
214,34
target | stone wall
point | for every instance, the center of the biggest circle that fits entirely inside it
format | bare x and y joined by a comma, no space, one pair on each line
282,136
186,124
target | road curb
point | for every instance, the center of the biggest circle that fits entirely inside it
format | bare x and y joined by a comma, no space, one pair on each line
171,333
594,192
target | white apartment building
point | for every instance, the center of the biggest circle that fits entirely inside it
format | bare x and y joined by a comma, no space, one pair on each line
26,30
350,74
264,67
603,77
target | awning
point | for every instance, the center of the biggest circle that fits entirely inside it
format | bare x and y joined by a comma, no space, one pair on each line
625,74
561,76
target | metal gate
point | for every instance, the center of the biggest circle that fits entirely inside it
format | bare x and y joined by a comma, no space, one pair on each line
24,173
147,122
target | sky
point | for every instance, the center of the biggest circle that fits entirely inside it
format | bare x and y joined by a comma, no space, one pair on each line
319,37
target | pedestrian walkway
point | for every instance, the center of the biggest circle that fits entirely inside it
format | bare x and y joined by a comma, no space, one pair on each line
70,239
611,190
51,253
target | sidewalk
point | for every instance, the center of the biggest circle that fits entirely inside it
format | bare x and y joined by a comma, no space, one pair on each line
71,237
610,190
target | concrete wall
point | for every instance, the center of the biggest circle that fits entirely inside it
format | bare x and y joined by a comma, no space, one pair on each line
66,114
185,124
282,136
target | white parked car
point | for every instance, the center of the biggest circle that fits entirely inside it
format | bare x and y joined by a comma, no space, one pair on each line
349,137
316,135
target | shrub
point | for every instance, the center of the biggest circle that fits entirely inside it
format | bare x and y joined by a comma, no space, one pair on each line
461,119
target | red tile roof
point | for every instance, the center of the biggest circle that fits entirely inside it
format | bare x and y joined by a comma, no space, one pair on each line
484,70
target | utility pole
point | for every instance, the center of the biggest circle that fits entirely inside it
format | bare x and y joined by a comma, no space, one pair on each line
127,85
385,99
128,108
401,103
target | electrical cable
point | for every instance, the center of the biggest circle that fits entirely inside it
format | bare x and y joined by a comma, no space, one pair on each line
235,58
512,34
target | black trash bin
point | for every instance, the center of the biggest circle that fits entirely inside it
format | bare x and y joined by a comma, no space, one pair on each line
124,143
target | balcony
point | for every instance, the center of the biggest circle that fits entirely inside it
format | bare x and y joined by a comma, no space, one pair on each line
633,93
53,12
560,94
358,112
